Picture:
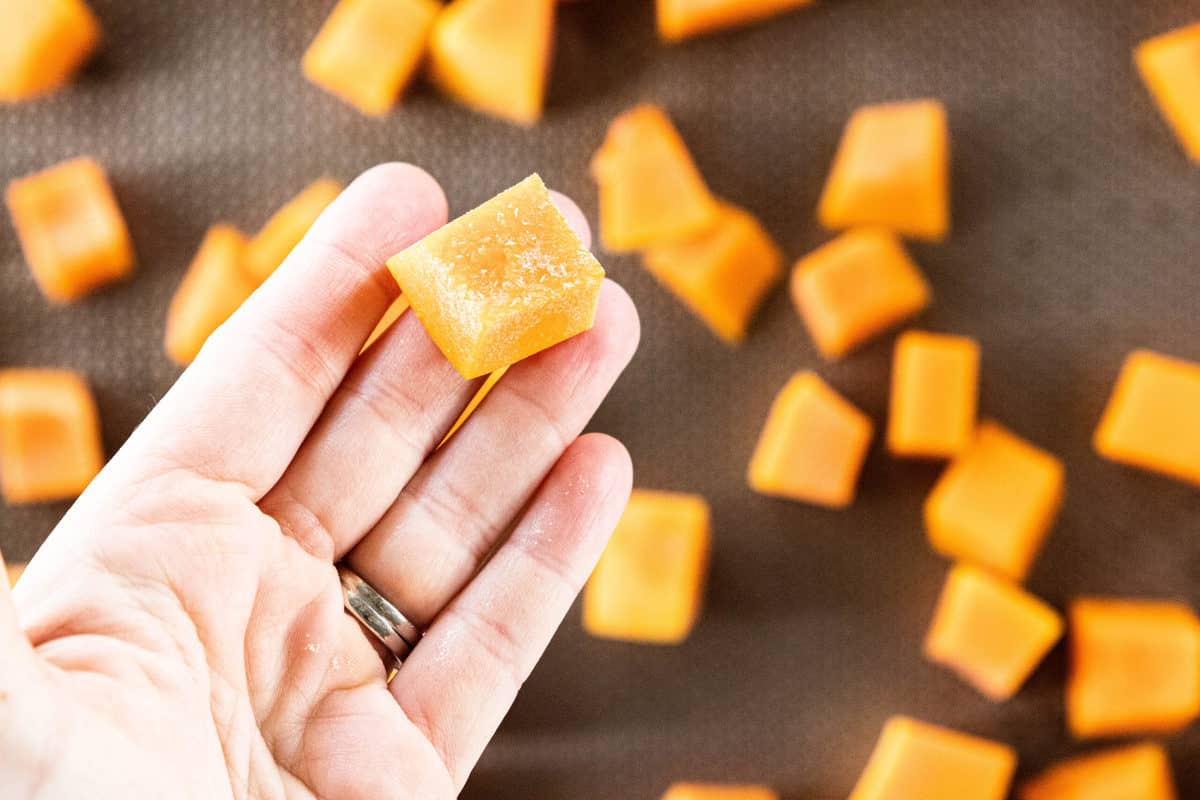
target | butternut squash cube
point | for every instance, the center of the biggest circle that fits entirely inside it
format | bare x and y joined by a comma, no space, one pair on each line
813,445
1135,668
1167,64
682,19
989,632
723,274
368,50
935,392
1137,772
649,584
855,288
215,286
995,503
892,170
650,189
283,232
502,282
71,229
713,791
43,43
917,761
1153,418
14,573
494,55
50,446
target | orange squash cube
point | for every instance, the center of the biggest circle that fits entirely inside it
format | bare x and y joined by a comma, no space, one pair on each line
43,43
1135,668
682,19
855,288
892,170
216,285
649,584
813,445
917,761
723,274
1137,772
502,282
1167,64
989,632
1153,418
650,189
368,50
995,503
713,791
71,229
14,573
935,392
283,232
50,446
494,55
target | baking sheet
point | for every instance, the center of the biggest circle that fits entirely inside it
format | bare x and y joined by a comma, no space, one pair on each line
1075,240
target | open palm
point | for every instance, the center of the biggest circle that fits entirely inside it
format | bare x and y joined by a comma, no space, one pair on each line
181,633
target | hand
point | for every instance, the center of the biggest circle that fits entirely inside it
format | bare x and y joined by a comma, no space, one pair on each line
181,633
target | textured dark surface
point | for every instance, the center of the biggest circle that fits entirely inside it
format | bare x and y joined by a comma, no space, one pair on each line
1075,240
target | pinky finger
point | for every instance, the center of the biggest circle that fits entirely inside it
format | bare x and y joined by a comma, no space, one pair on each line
460,682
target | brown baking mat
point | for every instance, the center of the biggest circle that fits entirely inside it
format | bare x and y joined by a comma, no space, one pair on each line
1075,240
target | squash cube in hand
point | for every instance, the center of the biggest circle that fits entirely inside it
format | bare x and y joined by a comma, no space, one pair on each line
1153,418
50,446
990,632
935,390
812,446
1135,668
502,282
855,288
723,274
995,503
71,229
649,584
892,170
369,50
917,761
650,189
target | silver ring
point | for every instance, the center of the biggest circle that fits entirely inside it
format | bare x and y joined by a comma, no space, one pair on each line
381,618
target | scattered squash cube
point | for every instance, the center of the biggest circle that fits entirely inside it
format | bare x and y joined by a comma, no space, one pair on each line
649,584
723,274
42,45
682,19
283,232
856,287
50,446
71,229
393,313
995,503
368,50
502,282
714,791
990,632
1168,67
813,445
1153,418
917,761
1135,668
935,392
650,189
1137,772
494,55
216,285
892,170
14,573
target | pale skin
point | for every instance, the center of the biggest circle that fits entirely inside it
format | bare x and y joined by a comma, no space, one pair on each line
181,633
